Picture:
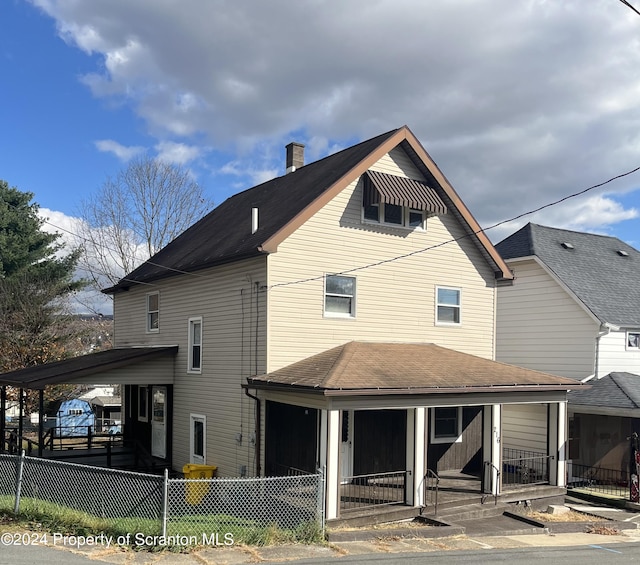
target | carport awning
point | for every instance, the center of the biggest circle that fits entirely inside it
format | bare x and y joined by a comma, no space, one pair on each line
77,369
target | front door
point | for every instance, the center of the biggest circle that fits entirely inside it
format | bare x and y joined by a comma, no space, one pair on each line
158,422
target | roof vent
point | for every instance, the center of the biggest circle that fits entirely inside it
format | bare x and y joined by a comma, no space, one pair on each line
295,156
567,245
622,253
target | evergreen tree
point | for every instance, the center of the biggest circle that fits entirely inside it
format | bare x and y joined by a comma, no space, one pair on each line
36,276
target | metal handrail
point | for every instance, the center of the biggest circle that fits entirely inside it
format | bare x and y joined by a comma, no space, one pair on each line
431,474
495,494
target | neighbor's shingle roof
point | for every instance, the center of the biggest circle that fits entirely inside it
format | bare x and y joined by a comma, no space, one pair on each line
604,281
409,368
615,390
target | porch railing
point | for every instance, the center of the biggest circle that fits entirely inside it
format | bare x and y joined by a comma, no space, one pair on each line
360,491
521,467
596,480
431,486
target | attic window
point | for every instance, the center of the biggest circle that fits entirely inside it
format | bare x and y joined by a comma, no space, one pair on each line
567,245
622,253
390,199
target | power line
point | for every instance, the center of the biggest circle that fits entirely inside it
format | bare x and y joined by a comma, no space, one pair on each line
362,267
630,6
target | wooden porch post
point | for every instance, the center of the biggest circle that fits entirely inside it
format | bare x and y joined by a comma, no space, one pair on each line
3,420
40,421
557,444
416,455
332,476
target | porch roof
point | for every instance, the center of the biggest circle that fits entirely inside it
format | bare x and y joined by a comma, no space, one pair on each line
68,370
361,368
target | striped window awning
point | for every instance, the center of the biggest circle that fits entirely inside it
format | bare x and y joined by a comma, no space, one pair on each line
401,191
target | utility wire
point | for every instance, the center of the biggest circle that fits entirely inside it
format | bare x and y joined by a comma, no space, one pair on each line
362,267
630,6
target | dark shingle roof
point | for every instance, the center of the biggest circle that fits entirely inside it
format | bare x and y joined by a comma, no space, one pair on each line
615,390
591,266
406,368
225,233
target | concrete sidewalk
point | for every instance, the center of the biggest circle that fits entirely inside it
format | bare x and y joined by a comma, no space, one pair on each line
237,555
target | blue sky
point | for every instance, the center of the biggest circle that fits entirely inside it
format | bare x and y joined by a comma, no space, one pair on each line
519,103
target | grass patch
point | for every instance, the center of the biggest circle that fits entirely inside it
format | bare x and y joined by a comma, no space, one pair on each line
571,516
43,516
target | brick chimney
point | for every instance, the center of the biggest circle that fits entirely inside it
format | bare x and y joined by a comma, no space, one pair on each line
295,156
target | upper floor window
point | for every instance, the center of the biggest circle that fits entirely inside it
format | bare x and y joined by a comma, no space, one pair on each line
195,345
340,296
448,305
395,215
633,340
153,312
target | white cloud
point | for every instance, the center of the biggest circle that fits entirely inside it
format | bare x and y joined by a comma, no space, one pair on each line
120,151
518,102
177,153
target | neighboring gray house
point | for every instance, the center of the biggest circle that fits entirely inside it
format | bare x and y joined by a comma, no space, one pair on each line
574,311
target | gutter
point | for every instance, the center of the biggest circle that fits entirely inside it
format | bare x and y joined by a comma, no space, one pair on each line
418,390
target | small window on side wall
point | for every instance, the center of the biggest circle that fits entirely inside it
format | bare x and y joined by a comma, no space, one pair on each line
446,424
153,312
195,346
633,340
448,306
340,296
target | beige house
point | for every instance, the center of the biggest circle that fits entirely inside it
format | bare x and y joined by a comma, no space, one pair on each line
341,316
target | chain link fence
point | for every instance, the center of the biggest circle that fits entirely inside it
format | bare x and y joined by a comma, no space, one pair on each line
251,510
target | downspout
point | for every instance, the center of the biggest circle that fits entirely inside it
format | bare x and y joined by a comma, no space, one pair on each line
258,429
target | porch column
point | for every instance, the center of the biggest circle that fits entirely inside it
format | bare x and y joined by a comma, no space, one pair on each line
492,448
558,444
332,474
416,455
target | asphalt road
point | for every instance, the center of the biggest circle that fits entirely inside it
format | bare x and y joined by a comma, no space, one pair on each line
582,555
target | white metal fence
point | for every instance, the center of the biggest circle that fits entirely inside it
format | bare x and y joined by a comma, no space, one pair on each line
242,509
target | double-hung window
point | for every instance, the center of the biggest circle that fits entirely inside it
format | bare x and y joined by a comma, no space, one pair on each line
195,345
153,312
448,306
340,296
446,424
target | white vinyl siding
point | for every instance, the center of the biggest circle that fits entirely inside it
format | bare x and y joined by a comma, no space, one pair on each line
231,299
540,326
614,354
395,298
524,427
